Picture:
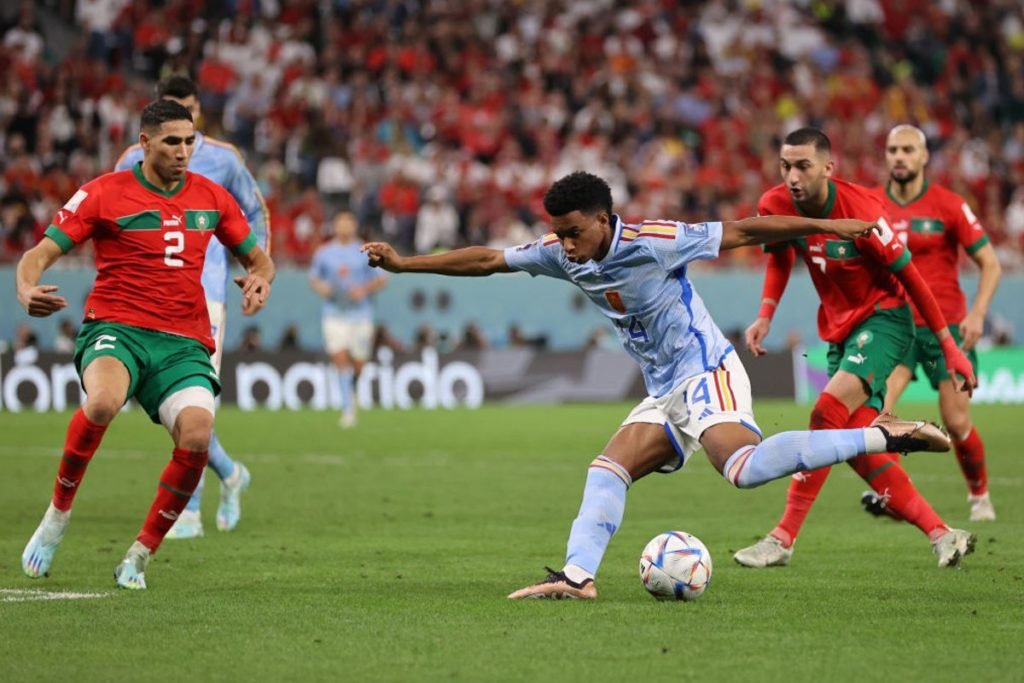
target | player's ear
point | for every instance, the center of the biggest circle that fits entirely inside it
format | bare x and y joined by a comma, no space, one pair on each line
830,167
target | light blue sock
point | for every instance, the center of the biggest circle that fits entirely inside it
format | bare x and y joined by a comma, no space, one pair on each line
783,454
197,495
345,384
220,461
604,501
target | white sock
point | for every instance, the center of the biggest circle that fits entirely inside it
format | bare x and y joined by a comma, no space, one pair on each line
874,440
576,573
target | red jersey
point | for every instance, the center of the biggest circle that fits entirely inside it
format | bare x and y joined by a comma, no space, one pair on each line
934,225
150,247
854,278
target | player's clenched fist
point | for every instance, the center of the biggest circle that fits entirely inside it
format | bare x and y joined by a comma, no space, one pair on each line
382,255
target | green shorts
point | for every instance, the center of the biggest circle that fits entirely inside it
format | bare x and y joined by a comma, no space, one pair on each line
158,363
926,351
873,349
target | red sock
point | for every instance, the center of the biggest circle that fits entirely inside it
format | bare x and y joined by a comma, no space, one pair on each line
829,413
888,478
970,453
82,440
177,484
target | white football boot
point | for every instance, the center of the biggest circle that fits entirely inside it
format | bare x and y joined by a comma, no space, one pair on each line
952,546
768,552
981,508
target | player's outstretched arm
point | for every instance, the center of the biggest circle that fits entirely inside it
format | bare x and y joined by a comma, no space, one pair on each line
256,283
468,262
38,300
924,300
761,229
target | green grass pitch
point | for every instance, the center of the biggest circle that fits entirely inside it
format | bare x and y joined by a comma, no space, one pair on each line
385,554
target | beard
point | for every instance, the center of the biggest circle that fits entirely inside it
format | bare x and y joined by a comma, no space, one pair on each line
907,177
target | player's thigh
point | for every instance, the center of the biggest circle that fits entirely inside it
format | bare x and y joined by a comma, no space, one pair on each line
899,380
360,342
955,408
714,411
174,363
218,324
934,360
860,366
187,412
107,360
640,448
336,335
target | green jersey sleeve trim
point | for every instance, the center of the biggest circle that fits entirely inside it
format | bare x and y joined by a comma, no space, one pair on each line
245,246
57,235
900,263
973,249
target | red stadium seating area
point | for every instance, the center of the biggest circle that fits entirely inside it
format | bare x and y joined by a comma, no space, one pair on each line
440,123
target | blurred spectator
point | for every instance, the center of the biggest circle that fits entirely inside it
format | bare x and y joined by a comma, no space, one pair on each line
252,340
289,339
472,339
25,346
371,105
64,342
437,222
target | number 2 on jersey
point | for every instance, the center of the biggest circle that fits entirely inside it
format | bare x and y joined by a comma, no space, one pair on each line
176,246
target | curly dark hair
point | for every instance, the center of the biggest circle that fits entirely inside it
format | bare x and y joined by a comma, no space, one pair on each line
809,136
159,111
578,191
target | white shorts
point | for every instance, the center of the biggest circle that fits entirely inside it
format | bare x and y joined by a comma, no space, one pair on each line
721,395
346,335
218,320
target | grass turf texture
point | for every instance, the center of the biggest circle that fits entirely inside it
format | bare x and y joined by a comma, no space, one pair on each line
385,553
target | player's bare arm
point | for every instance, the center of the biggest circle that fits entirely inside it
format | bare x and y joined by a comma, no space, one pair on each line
467,262
256,283
761,229
38,300
989,273
960,370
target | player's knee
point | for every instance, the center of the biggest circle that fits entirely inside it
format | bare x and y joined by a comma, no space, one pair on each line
193,434
101,406
958,424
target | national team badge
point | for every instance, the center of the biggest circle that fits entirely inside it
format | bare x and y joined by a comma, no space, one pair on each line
201,221
864,338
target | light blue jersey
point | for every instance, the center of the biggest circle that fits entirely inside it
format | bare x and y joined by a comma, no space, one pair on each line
221,163
343,266
641,285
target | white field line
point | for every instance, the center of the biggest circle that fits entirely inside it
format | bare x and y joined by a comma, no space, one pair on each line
35,595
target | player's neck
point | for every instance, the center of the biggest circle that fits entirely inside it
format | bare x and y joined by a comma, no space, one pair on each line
906,192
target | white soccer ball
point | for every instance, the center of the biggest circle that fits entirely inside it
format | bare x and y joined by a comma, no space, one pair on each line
675,565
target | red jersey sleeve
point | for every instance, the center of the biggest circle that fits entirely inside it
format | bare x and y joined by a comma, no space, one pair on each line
77,220
233,229
969,232
884,246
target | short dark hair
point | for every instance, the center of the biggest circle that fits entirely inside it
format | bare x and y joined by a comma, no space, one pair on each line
809,136
159,111
178,87
578,191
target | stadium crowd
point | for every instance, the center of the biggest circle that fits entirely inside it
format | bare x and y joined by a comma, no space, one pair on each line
441,122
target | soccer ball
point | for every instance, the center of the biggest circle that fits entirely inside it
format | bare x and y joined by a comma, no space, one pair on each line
675,565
